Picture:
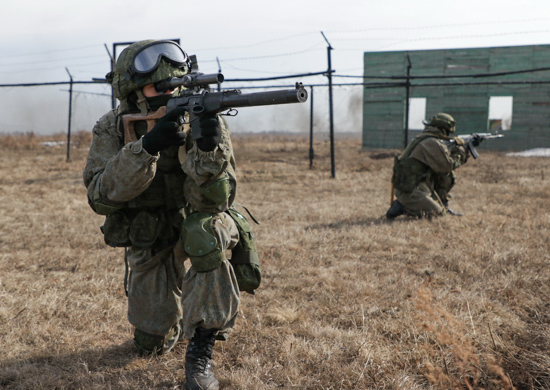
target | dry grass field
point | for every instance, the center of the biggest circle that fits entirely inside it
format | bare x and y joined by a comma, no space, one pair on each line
349,300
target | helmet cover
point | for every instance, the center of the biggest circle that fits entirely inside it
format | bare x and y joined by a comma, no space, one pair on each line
125,78
442,121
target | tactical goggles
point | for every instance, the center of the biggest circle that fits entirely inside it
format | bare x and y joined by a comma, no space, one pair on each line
147,59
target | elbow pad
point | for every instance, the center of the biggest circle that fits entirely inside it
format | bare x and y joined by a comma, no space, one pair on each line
218,191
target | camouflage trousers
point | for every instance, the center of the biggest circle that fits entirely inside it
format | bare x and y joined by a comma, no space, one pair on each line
166,302
421,202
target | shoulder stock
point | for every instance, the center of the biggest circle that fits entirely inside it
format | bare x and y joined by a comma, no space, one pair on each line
129,121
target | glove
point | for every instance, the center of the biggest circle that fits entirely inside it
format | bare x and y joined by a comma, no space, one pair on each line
476,140
208,126
459,141
165,133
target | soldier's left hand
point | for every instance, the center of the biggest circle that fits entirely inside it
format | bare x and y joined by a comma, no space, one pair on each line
210,130
476,140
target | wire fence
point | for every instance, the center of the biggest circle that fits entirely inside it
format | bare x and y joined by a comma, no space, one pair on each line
381,82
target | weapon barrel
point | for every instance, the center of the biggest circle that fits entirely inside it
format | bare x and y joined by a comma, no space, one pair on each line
235,99
215,102
480,135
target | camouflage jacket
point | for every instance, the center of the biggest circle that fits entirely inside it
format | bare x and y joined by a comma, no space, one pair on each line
117,173
430,158
440,153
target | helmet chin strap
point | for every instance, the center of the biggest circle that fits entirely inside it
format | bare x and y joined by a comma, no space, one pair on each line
141,102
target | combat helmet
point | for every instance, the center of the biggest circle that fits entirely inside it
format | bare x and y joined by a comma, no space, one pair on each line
442,121
146,62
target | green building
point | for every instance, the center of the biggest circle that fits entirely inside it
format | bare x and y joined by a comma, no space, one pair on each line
495,89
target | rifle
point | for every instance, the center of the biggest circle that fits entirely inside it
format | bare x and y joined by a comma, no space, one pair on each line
473,140
198,100
205,102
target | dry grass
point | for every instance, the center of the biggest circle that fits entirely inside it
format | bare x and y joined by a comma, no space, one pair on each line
349,300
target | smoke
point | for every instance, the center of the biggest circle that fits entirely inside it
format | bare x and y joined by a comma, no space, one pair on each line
45,109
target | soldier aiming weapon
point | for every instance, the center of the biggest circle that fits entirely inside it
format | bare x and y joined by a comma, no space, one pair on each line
424,173
197,100
166,204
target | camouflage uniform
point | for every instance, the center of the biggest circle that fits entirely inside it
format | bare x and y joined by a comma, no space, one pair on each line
167,205
424,174
117,174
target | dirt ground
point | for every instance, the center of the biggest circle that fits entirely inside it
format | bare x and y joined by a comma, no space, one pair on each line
348,299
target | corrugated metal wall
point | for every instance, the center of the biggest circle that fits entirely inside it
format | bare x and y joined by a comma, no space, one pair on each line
384,107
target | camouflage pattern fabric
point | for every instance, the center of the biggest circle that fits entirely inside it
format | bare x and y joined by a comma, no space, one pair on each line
161,295
203,168
443,183
442,158
154,289
205,295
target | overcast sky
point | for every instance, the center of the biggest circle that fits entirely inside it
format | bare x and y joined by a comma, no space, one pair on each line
249,38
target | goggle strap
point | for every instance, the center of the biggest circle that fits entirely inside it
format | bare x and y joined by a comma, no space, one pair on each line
166,54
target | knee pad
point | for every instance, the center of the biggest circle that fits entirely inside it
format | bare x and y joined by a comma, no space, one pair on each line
200,242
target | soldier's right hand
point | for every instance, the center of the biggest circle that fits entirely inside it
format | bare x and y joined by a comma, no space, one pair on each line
166,132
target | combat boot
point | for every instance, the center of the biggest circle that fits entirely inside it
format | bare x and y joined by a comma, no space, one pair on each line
198,361
396,209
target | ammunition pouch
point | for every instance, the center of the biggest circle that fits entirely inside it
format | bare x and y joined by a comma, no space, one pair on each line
104,209
408,173
200,242
244,256
116,230
443,183
141,228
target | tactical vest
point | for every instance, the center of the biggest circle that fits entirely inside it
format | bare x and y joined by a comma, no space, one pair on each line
409,172
153,218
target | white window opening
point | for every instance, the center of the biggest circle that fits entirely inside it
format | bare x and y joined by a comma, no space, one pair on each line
417,113
500,113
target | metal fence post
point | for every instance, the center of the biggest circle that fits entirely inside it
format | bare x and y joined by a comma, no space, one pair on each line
311,153
70,115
